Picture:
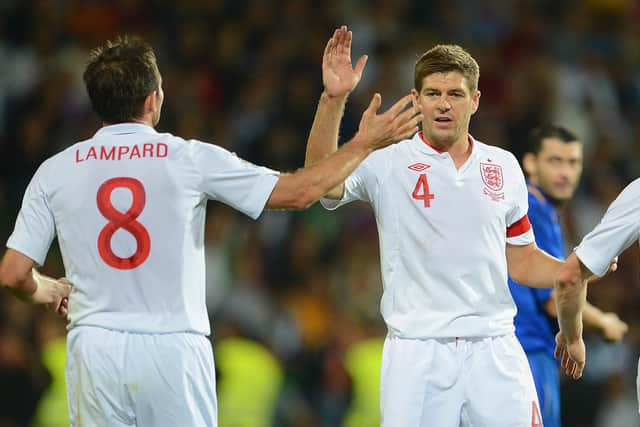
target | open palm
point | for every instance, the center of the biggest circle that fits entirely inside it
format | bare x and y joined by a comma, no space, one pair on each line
338,75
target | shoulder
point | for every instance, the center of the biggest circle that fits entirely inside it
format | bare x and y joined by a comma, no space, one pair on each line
497,154
631,191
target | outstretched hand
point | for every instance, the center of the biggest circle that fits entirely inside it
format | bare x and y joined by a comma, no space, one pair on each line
572,355
396,124
338,75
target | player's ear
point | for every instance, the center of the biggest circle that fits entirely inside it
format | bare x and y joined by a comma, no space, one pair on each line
151,102
475,99
414,97
529,164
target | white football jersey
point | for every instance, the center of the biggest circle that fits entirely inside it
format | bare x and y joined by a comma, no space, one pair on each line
443,234
618,229
128,208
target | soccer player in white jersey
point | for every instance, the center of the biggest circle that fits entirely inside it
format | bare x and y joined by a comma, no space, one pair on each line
128,208
452,220
618,229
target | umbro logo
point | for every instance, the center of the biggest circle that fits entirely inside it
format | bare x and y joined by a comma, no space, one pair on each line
418,167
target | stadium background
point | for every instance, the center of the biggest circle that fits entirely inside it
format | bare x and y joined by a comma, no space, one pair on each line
298,290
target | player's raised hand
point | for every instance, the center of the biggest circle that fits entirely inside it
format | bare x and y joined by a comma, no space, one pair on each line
338,75
612,328
571,354
396,124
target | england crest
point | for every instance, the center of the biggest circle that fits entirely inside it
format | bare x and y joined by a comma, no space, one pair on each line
492,176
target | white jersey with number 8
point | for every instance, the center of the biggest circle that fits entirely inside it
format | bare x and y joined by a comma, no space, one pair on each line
128,207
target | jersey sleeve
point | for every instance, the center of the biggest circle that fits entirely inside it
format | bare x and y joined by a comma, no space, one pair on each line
225,177
35,227
358,186
617,230
519,231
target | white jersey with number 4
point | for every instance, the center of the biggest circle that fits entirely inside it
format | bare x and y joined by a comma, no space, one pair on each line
128,208
443,233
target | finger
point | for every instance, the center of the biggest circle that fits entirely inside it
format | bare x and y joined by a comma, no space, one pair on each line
570,368
327,49
348,40
558,351
399,106
63,310
411,126
374,105
407,114
362,61
333,42
578,371
342,40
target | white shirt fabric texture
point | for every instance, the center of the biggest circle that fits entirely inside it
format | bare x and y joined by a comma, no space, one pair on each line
617,230
161,223
442,248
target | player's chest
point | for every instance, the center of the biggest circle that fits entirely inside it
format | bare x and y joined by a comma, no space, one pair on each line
479,187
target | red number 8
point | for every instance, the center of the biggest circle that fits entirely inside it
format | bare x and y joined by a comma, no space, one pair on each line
126,221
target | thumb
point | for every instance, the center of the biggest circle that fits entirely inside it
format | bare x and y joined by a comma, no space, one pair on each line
362,61
375,103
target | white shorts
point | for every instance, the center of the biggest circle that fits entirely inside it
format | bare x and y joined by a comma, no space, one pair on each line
483,382
117,378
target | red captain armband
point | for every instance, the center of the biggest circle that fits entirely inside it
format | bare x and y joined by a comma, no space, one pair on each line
519,227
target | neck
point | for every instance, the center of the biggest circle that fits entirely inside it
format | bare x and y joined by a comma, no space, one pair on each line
143,121
558,204
459,150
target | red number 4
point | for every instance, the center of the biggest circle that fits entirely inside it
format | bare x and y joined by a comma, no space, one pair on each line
536,419
124,220
421,191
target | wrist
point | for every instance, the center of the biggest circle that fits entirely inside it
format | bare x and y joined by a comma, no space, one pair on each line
338,99
360,144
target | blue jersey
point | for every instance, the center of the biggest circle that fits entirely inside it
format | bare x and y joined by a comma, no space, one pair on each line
534,327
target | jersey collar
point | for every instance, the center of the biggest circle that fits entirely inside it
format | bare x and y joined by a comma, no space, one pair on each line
546,197
427,148
125,128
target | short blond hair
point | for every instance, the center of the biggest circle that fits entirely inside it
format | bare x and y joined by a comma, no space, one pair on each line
445,58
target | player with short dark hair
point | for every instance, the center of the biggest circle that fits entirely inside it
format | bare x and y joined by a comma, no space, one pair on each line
452,220
128,208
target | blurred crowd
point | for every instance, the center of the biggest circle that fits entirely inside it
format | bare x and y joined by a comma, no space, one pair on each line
294,297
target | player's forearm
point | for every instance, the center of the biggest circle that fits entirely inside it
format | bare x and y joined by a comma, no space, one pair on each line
22,286
304,187
323,138
571,299
532,267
